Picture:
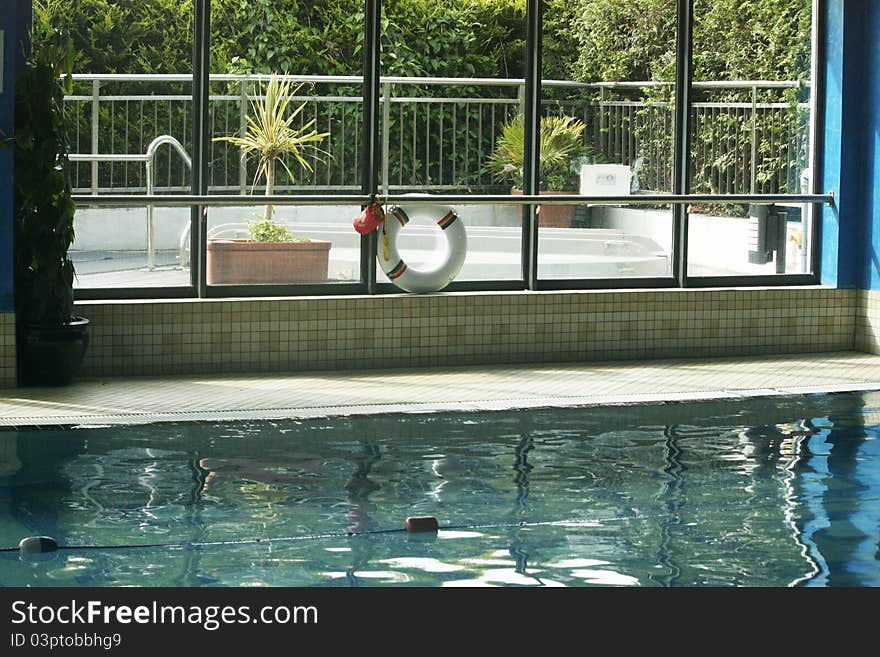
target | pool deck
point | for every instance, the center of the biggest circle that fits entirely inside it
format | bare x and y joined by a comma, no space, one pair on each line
252,397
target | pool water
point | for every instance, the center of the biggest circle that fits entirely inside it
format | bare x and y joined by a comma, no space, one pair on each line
746,492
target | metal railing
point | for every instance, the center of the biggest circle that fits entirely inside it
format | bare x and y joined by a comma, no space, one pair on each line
355,200
436,133
149,161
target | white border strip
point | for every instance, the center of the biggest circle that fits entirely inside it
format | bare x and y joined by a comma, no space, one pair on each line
99,420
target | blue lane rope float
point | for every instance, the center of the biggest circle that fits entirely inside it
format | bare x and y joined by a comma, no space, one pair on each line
32,542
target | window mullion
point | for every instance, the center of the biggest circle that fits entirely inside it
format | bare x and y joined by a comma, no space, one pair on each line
682,138
201,140
531,137
370,146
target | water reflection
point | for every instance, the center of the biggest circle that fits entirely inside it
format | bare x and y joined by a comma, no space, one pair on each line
764,493
359,488
671,497
839,489
522,468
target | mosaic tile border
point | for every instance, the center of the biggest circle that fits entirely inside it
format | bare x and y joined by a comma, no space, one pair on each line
377,332
7,350
867,329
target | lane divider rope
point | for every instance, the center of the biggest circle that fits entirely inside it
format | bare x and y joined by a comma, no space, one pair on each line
306,537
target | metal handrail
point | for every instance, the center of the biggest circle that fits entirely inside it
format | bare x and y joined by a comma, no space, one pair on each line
149,159
477,82
151,186
181,200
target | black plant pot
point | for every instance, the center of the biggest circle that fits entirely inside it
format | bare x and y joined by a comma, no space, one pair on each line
50,355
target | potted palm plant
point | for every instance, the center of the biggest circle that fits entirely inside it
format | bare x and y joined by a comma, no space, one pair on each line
561,140
271,254
51,340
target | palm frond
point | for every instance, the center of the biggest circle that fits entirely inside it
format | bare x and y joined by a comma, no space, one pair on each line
271,134
561,138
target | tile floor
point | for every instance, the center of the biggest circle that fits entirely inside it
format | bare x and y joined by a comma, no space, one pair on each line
232,397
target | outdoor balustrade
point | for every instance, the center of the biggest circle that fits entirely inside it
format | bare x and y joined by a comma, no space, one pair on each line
436,133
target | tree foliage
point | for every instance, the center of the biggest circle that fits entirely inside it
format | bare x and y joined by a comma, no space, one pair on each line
122,36
620,39
287,36
460,38
583,39
752,39
733,39
274,132
586,40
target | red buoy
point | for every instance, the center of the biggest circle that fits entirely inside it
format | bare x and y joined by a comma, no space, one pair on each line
421,524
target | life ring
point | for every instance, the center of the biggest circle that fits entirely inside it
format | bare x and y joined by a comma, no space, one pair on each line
406,277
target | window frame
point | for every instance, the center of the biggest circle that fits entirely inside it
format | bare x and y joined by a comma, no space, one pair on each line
200,200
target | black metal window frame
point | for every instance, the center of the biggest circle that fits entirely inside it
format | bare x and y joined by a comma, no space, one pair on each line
200,200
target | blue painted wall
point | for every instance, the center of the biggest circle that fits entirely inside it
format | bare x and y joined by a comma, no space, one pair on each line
15,20
851,169
8,24
870,278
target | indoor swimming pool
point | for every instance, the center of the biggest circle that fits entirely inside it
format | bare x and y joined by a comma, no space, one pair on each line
759,492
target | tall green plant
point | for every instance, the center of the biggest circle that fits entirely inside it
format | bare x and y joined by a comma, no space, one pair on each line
272,135
43,207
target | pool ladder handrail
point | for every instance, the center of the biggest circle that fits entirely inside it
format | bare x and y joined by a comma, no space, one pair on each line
149,159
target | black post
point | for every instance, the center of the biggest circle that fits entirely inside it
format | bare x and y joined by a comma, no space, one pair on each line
201,141
24,23
681,169
817,136
370,150
531,137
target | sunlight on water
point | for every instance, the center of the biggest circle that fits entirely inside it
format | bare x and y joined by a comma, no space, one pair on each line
452,534
750,493
605,578
425,564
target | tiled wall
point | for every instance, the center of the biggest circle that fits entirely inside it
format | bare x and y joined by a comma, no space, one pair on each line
258,335
868,322
7,350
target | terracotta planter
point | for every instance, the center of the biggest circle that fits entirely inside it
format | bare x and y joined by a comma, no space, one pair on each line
554,216
239,261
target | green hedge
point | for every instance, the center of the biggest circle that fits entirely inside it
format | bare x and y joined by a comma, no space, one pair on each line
587,40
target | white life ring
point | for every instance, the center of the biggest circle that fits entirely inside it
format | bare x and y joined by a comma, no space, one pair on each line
413,280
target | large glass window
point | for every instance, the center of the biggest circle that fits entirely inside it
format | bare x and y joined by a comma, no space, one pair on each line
750,134
607,129
130,132
444,115
452,78
285,116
